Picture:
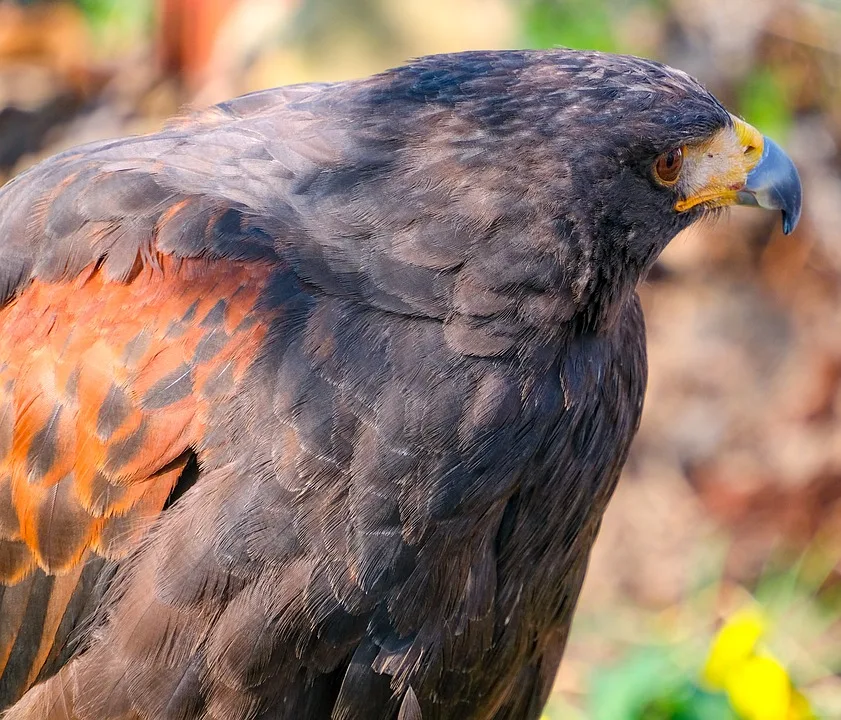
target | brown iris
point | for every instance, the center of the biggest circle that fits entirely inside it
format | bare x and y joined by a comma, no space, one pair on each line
668,165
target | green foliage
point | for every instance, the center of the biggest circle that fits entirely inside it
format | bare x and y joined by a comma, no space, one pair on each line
583,24
763,98
653,684
118,17
571,23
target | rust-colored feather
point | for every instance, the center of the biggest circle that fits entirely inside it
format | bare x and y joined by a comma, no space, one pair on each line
105,386
98,421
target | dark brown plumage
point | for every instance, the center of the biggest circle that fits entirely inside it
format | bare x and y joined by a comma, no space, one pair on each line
311,403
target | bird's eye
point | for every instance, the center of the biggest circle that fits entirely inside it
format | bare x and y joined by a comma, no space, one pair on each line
668,165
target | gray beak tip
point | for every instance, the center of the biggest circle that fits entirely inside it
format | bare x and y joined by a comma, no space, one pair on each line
774,183
789,223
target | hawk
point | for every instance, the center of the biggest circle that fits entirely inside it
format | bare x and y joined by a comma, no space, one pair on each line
311,403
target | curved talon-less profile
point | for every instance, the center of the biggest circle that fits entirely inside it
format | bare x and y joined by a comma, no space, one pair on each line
311,403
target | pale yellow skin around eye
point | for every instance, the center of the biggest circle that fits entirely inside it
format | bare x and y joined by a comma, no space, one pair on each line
714,171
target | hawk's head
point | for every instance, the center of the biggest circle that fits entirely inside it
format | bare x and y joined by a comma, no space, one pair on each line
560,169
637,142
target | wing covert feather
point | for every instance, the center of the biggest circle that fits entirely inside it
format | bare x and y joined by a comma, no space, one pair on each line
127,310
108,384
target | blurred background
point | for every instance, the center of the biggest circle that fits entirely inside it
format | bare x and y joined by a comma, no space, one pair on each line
715,588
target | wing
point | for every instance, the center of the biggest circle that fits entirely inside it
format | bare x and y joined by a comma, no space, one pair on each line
128,308
307,568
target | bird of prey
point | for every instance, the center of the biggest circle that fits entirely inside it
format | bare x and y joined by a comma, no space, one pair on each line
311,403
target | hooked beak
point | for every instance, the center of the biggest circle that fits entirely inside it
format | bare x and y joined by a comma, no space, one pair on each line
739,166
774,183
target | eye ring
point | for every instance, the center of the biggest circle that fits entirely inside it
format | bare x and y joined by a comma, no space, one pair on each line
667,167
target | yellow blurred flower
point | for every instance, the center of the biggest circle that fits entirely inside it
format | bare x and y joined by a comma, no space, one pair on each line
759,689
756,683
734,644
800,709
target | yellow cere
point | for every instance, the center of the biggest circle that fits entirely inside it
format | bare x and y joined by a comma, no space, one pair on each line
757,685
751,140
